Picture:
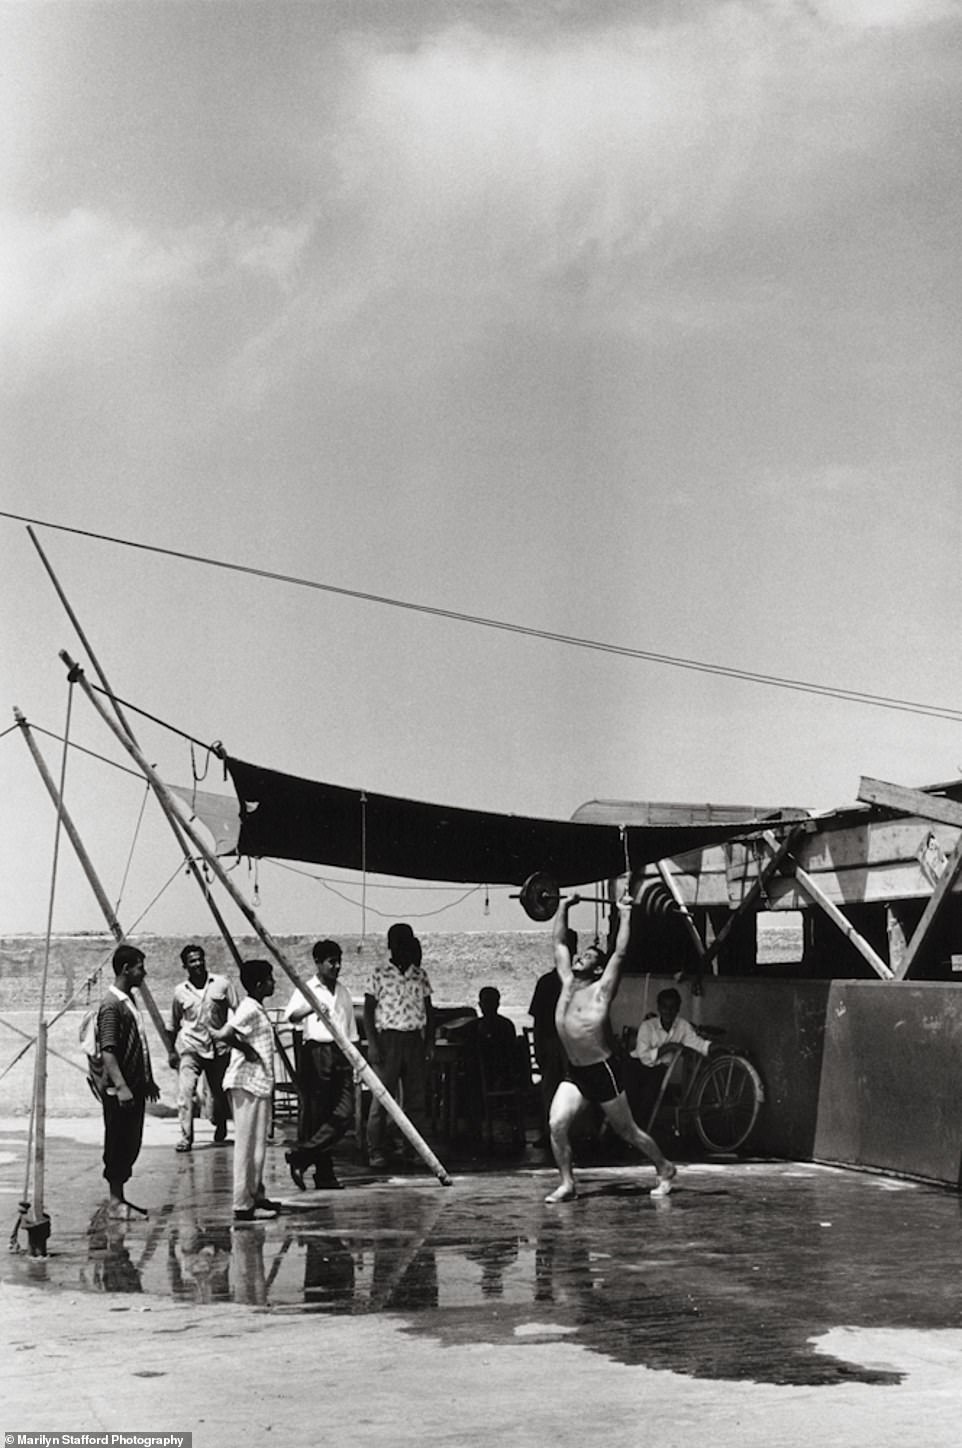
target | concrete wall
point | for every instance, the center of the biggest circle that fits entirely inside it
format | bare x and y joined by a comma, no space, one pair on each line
891,1087
864,1073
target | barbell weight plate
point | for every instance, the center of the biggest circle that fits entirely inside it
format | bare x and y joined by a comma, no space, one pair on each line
540,896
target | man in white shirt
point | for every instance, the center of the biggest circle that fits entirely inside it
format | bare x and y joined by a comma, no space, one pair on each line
661,1039
326,1078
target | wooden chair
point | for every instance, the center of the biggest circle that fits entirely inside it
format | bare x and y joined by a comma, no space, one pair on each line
286,1097
504,1092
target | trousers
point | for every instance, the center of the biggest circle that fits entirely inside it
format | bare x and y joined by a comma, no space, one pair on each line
190,1068
252,1122
327,1102
402,1064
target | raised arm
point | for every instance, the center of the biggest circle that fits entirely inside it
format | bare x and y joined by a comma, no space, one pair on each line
562,950
611,976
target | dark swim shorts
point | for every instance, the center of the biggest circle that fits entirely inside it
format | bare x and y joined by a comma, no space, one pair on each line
600,1082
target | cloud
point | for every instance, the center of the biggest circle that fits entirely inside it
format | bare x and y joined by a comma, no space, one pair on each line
633,178
71,285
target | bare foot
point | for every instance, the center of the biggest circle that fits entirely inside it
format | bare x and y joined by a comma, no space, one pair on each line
666,1176
561,1194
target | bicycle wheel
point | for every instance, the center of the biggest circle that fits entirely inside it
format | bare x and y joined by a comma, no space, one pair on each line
728,1099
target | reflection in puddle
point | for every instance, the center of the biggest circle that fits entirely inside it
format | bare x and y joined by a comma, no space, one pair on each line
737,1284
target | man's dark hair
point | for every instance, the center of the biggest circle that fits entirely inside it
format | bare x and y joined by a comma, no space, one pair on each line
403,945
192,950
669,994
324,949
487,991
125,956
251,971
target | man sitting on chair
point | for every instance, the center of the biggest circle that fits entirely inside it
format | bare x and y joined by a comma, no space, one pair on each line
661,1040
490,1044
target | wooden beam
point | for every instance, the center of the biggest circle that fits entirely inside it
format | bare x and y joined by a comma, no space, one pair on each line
910,801
940,894
765,871
93,879
818,897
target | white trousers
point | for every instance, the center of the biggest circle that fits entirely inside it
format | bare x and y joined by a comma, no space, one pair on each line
252,1122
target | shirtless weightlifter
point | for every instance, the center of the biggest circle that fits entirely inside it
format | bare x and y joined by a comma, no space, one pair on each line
588,986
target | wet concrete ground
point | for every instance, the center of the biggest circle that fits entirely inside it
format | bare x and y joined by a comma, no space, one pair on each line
752,1277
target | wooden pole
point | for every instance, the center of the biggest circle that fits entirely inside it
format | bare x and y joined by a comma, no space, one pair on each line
941,893
362,1070
173,819
108,911
817,894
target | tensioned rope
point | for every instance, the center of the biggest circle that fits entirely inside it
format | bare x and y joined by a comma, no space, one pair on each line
79,748
753,676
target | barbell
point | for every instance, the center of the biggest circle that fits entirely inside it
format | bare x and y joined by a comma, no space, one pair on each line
540,896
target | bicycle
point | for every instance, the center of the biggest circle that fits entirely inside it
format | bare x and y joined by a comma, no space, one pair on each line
720,1098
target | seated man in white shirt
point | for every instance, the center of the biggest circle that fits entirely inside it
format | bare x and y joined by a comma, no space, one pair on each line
661,1039
326,1076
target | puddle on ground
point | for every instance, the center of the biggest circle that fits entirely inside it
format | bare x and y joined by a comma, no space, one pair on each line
733,1282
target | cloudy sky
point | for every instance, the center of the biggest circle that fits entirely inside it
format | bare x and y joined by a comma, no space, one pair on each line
631,321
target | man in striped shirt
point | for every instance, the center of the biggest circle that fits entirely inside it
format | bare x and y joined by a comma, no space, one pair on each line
130,1079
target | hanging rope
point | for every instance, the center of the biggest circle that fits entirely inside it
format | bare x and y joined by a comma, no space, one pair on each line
197,776
381,914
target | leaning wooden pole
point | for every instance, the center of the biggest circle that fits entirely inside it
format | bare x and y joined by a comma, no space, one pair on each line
362,1070
816,894
93,880
173,818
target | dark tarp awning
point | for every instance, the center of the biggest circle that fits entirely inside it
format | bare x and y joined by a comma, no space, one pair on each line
286,818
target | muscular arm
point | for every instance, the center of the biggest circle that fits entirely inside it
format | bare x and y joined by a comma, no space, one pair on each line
611,976
562,954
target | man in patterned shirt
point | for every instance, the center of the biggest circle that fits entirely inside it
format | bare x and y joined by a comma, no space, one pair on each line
398,1023
130,1079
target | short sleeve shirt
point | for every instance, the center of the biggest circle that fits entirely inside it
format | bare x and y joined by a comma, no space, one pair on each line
195,1011
400,997
256,1076
120,1030
338,1002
